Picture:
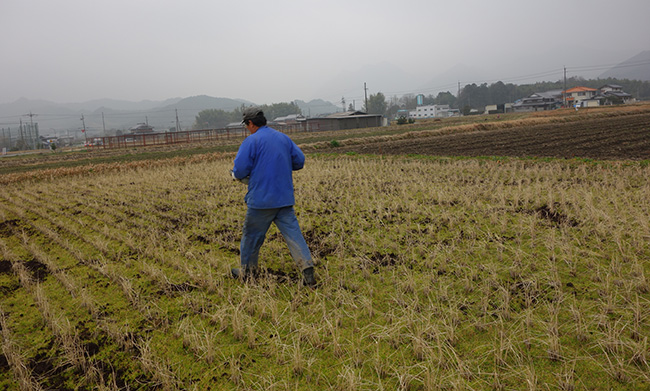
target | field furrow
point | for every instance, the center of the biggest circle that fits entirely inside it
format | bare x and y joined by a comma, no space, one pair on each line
434,273
129,335
588,138
75,356
17,372
168,268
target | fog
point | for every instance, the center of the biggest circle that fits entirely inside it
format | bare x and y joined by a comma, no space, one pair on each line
278,51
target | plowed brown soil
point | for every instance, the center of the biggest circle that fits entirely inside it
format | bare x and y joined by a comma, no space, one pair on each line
620,137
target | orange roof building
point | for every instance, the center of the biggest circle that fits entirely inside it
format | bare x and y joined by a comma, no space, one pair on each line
578,94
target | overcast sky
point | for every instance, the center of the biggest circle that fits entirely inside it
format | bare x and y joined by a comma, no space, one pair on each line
277,51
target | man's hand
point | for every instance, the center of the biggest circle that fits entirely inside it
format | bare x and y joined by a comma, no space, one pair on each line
244,180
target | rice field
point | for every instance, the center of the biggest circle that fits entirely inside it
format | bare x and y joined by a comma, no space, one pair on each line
434,273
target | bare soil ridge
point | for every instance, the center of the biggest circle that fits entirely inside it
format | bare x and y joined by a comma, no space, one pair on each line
604,138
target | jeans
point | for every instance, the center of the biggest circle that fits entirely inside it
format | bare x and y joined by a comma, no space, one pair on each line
257,223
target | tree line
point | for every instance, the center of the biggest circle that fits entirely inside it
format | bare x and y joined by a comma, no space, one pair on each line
472,96
217,118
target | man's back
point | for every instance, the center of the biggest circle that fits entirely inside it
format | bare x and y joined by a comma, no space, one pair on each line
268,157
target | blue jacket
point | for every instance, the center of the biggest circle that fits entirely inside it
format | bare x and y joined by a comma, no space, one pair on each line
268,157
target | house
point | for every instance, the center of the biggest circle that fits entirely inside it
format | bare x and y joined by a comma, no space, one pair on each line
498,109
236,126
610,94
289,119
141,128
611,88
539,101
342,121
581,97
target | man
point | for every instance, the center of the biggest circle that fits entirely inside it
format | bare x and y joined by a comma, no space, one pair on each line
266,160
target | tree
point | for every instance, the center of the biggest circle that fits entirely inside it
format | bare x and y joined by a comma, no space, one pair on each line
376,104
500,93
214,119
391,111
392,106
445,98
409,102
474,96
280,110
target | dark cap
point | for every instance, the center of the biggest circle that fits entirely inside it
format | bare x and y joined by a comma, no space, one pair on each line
251,112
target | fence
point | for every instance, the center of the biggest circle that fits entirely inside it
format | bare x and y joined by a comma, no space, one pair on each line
169,138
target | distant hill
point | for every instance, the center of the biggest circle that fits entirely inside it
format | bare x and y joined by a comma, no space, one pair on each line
121,104
65,118
447,80
203,102
113,115
635,68
317,107
189,108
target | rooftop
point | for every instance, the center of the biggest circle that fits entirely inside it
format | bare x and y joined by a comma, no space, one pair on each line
580,89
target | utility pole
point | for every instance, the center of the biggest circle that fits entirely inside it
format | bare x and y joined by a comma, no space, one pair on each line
343,103
365,91
103,123
22,135
178,124
564,92
83,130
6,140
32,136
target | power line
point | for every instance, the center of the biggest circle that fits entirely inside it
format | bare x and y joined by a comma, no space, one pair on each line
602,67
444,87
557,72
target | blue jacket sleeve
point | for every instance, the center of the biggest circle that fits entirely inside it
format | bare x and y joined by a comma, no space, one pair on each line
297,157
243,163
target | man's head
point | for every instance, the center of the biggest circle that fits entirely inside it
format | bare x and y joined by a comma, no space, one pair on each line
253,115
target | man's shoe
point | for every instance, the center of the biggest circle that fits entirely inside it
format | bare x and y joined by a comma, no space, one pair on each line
244,274
236,272
308,277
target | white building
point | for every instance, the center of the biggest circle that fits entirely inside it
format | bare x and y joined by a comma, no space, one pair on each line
431,111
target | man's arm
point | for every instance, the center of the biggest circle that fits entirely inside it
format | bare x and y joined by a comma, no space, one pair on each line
243,163
297,157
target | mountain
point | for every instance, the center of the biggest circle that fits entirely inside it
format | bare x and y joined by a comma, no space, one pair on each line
204,102
66,118
317,107
448,80
634,68
114,104
189,108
